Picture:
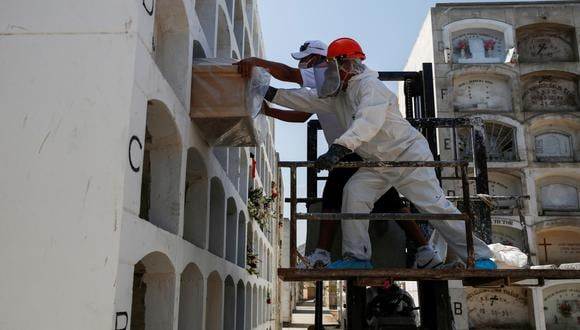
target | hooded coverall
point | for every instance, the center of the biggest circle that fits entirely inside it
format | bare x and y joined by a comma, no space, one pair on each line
376,130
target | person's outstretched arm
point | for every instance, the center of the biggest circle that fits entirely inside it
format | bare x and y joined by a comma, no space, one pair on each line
290,116
277,70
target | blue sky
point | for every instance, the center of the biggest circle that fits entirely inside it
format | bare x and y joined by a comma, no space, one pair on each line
386,29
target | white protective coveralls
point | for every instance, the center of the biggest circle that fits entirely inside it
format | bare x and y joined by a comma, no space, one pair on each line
376,130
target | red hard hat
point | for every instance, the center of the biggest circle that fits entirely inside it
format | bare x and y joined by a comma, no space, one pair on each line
345,48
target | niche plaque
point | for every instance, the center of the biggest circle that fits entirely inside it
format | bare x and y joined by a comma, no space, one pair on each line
481,92
546,44
562,307
550,93
478,46
506,307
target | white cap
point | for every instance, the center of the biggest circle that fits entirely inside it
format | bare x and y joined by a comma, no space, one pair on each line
310,47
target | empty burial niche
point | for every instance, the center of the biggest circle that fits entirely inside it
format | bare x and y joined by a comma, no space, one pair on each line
231,229
196,192
153,293
206,10
500,143
255,306
214,302
559,197
191,299
223,49
217,212
221,154
553,147
171,44
239,25
242,240
243,174
229,303
161,169
233,167
240,305
198,51
248,311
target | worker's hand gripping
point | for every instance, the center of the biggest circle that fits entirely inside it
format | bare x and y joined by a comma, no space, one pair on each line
332,156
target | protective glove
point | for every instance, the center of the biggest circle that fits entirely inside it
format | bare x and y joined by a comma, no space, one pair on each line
332,156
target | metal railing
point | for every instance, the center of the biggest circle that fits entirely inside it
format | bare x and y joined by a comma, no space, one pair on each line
467,216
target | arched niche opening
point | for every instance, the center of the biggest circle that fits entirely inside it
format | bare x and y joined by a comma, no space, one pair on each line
507,235
161,169
553,147
191,299
243,175
234,166
231,230
250,11
482,92
260,305
217,213
214,302
230,7
153,293
198,51
561,306
221,154
478,41
255,306
504,184
239,26
248,311
247,47
229,303
546,42
196,199
555,138
206,13
223,44
559,196
240,305
171,44
501,142
241,240
506,308
550,91
558,244
256,37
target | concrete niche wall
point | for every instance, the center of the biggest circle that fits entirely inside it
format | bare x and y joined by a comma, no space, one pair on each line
153,293
171,45
240,305
191,299
241,240
160,202
231,230
196,200
217,214
214,302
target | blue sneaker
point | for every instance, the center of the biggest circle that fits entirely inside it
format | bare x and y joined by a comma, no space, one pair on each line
485,264
350,264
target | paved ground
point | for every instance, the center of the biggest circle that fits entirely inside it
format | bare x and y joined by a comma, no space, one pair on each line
303,318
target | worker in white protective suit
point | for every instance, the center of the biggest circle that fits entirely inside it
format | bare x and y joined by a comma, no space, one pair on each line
375,129
310,53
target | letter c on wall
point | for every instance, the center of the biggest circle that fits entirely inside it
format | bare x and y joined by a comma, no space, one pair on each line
134,139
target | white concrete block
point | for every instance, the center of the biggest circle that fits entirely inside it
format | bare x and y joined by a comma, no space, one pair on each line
67,17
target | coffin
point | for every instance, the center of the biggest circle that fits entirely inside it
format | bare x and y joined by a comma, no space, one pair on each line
225,106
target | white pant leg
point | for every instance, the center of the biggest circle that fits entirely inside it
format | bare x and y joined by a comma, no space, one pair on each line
422,188
360,193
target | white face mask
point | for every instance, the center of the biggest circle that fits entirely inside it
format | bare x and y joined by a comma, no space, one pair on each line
327,77
308,78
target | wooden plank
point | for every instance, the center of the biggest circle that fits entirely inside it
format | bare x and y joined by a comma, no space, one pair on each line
484,275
